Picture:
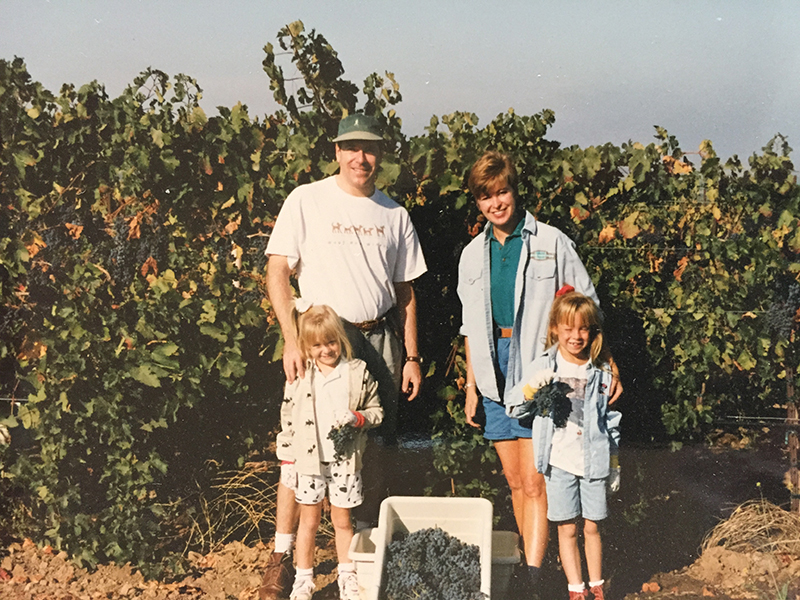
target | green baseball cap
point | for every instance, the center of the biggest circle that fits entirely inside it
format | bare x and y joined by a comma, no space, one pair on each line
358,127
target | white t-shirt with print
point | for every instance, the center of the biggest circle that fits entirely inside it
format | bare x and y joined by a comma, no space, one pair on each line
567,449
348,250
331,398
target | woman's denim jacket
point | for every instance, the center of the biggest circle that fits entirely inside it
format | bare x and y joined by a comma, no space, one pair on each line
600,425
548,261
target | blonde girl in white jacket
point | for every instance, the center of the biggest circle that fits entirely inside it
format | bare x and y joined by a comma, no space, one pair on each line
335,390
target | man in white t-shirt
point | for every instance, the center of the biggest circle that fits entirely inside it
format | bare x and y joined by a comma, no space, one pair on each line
356,250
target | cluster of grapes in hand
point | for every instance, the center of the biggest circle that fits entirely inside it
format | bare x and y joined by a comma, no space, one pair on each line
344,441
430,564
549,401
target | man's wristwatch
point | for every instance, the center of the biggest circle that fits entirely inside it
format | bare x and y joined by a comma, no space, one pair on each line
416,359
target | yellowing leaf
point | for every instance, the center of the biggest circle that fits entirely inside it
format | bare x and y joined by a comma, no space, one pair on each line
33,112
73,230
28,416
706,149
149,265
237,254
578,213
228,203
794,243
655,263
31,350
628,228
233,225
295,28
134,227
158,137
681,267
33,243
199,116
608,233
745,361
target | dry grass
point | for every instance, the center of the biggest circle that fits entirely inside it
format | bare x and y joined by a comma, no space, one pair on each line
243,508
757,525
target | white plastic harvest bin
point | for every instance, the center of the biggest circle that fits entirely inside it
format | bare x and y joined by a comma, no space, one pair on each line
468,519
505,554
362,553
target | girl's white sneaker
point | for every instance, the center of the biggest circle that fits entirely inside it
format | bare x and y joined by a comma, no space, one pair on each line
302,589
348,586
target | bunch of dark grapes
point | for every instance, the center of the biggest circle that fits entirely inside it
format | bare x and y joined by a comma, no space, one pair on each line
127,256
549,401
430,564
41,288
782,313
344,441
259,260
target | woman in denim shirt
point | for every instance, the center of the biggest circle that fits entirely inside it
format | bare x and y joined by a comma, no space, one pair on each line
507,279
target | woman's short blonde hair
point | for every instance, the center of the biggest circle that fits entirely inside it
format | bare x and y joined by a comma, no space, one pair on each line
320,323
489,170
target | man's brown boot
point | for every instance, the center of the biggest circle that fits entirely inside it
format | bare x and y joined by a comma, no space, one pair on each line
278,577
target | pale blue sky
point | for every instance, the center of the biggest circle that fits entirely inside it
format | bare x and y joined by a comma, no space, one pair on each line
726,70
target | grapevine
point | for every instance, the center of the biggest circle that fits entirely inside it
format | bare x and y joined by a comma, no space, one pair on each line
433,565
111,345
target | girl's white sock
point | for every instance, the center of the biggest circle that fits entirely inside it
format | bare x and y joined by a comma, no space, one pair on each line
284,542
303,574
347,568
576,587
596,583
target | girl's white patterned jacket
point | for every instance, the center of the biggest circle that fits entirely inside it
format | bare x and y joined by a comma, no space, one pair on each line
298,442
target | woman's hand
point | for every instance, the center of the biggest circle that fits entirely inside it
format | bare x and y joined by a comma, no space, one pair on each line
615,390
471,405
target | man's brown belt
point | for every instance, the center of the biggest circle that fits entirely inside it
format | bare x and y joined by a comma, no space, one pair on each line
369,325
504,332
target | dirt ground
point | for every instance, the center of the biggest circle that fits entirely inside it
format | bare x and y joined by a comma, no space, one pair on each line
755,569
233,573
728,575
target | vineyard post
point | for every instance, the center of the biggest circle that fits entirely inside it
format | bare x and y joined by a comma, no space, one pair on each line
792,439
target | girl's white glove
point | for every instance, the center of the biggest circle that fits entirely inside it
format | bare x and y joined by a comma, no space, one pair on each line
346,417
613,479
